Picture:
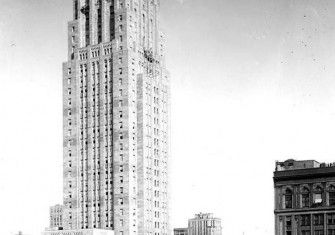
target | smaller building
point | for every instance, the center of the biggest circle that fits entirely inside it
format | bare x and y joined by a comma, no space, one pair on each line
304,198
56,217
180,231
204,224
80,232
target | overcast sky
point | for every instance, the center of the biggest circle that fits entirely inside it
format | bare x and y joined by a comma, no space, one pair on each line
253,81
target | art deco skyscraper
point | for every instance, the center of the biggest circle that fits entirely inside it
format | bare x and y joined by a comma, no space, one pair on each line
116,119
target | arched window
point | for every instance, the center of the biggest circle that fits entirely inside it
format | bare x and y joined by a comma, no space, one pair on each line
317,196
288,198
305,196
331,195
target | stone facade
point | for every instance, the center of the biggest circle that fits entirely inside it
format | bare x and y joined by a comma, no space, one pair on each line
116,119
304,198
204,224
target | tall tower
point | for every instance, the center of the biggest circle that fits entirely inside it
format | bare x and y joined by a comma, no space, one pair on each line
116,119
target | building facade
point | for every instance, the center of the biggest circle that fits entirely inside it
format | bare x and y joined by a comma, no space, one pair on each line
304,198
204,224
180,231
80,232
116,119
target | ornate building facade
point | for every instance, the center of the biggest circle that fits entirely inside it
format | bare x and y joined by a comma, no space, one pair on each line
304,198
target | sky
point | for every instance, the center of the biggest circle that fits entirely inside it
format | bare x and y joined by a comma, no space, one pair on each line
252,82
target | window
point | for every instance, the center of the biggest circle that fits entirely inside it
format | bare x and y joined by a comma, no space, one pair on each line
317,196
331,219
288,199
305,220
318,219
331,231
318,232
331,195
305,232
120,201
331,198
305,197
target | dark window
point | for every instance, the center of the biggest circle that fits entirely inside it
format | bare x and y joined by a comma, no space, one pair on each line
318,232
305,198
305,232
288,198
332,198
305,220
318,219
331,219
288,224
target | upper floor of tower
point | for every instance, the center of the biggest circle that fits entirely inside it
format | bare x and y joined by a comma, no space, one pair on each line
126,23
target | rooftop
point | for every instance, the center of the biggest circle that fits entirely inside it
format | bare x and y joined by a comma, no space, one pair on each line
292,169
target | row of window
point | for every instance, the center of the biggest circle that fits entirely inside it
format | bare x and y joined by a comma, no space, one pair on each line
304,223
310,199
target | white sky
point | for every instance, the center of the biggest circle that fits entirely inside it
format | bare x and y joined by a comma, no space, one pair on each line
252,82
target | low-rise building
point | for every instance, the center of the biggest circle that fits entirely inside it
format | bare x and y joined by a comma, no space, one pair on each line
56,217
80,232
204,224
304,198
180,231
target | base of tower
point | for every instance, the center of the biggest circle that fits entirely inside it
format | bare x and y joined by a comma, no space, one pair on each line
80,232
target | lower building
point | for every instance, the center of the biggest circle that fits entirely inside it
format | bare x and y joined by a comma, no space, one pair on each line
80,232
304,198
56,217
180,231
204,224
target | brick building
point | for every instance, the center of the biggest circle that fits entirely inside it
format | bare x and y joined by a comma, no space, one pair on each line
304,198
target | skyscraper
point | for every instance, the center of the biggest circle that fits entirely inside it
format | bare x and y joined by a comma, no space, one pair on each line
116,119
